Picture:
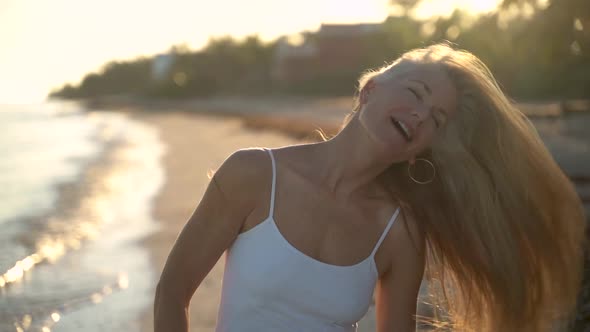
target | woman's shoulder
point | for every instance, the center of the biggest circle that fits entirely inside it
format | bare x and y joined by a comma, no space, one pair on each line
243,164
243,170
247,160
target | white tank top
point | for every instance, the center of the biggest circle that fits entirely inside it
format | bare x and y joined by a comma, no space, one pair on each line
269,285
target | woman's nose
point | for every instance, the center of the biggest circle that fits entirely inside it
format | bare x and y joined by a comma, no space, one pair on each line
420,113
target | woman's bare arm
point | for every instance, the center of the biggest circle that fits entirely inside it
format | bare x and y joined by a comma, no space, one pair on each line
397,290
211,229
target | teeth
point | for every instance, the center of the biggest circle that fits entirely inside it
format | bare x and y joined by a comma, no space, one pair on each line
403,127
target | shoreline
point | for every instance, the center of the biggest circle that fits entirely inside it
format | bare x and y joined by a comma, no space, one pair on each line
303,118
84,264
297,116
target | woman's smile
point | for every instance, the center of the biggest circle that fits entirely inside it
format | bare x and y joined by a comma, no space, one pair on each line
403,128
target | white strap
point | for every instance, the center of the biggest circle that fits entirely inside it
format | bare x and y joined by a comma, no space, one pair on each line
391,220
272,192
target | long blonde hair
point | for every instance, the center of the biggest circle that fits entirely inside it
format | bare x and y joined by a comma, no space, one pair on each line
503,224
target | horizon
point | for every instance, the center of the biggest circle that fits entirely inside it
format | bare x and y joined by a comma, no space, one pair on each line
73,45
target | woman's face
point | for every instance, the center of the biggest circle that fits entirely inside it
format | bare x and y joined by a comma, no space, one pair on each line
405,113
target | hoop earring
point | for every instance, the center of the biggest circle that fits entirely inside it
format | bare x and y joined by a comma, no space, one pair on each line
422,182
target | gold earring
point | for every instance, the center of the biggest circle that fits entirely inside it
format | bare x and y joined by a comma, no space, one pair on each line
422,182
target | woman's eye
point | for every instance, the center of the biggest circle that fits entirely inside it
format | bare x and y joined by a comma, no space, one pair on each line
439,119
418,96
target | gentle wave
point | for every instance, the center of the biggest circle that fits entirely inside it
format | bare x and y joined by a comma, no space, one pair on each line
74,261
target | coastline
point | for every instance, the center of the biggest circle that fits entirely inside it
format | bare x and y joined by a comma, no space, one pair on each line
560,124
77,265
296,117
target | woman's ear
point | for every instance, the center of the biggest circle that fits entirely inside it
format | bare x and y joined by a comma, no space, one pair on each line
365,91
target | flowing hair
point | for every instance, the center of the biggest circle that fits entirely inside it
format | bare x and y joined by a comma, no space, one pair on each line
504,227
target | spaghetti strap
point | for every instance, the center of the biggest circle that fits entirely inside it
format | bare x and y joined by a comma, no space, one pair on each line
391,220
272,191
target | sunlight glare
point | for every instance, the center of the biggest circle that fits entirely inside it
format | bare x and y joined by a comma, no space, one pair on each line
123,281
26,323
481,6
81,43
578,25
96,298
429,8
334,11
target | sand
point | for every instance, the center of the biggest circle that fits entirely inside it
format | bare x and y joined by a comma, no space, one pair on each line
196,143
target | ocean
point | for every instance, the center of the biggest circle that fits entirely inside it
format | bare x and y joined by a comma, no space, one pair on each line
75,200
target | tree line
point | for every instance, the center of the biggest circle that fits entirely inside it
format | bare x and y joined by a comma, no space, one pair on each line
537,51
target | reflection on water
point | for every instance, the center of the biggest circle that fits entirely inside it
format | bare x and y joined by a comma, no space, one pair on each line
77,266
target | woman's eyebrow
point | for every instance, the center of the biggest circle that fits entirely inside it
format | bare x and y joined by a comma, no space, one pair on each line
426,87
443,111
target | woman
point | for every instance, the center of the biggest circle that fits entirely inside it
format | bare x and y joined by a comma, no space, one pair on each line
433,168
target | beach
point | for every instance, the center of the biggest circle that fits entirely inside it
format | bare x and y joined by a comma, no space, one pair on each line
138,176
75,204
90,254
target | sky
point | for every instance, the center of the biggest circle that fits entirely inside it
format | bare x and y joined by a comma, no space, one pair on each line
46,44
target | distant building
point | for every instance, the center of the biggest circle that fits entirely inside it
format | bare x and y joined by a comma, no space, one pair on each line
294,62
161,66
332,49
340,47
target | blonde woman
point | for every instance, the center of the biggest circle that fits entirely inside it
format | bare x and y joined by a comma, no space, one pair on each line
434,170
